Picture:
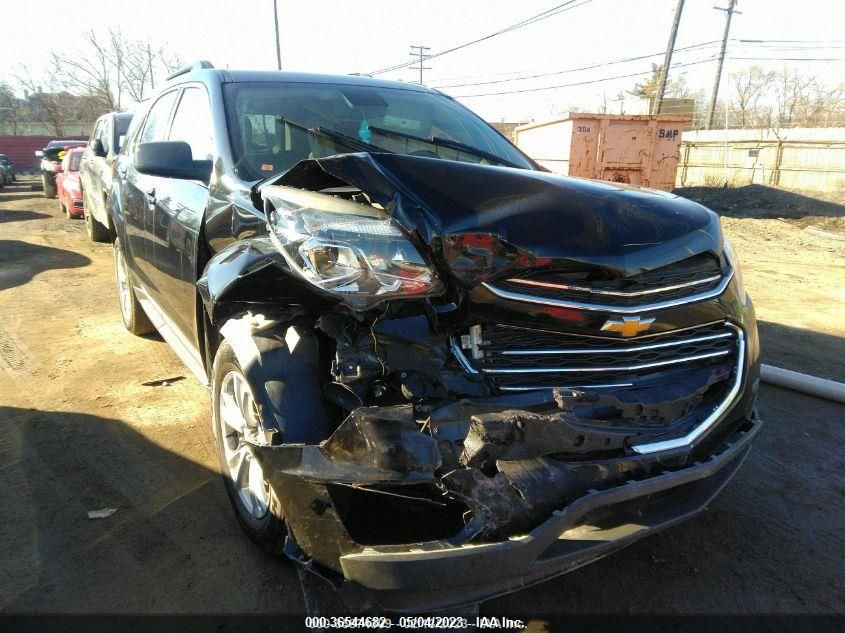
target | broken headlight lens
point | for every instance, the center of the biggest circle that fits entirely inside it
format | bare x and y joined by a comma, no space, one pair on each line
352,250
733,260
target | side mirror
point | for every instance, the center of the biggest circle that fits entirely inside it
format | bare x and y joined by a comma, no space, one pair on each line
39,153
171,159
98,149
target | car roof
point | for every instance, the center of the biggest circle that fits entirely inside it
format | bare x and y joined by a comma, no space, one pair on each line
216,75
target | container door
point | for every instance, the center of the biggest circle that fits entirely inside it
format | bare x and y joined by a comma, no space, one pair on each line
666,154
624,151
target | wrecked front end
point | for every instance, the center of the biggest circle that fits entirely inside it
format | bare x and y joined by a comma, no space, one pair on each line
513,374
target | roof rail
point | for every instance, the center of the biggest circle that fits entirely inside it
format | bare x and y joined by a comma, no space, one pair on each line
190,67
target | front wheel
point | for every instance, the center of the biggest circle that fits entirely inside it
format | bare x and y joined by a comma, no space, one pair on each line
256,506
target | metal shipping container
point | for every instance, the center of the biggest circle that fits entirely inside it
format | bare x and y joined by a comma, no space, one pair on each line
635,149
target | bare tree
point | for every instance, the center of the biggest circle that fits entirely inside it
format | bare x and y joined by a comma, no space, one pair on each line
111,66
748,87
145,67
45,97
823,105
10,106
790,89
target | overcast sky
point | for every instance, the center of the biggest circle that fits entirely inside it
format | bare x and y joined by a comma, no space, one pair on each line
364,35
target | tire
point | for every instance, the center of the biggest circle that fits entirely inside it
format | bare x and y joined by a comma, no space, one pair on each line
63,209
49,187
134,317
256,506
96,231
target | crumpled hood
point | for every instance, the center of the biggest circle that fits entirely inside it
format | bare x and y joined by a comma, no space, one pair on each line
543,219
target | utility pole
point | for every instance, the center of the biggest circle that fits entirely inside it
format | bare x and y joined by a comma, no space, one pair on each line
667,60
729,11
278,43
421,53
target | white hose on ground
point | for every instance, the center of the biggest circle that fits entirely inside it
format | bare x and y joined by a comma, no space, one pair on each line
829,389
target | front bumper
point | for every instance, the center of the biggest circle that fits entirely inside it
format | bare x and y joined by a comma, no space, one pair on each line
440,574
589,528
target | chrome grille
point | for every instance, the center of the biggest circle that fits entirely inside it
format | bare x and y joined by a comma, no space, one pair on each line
517,358
694,279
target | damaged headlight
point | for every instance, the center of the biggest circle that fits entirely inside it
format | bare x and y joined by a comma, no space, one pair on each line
733,260
352,250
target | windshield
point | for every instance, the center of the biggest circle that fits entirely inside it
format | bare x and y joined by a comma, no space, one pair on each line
264,143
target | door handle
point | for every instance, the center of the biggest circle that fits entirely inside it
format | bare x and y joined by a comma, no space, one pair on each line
150,195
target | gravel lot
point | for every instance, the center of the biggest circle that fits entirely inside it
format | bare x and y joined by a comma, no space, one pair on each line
84,425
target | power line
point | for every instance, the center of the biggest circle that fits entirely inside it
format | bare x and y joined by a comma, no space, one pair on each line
578,83
566,6
792,59
572,70
508,76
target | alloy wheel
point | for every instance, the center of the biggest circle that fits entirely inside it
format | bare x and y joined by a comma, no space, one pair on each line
237,411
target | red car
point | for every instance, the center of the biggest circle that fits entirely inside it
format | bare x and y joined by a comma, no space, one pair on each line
68,186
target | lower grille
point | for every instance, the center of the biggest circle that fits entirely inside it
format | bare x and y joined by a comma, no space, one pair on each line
521,359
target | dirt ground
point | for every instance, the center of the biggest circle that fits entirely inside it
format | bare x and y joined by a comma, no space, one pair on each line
86,423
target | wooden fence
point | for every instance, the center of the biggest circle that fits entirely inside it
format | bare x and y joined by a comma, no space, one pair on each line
794,164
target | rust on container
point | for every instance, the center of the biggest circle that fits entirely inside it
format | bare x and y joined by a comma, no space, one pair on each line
636,149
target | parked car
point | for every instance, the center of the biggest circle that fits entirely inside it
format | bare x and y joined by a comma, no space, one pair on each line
7,170
103,147
51,163
68,185
437,373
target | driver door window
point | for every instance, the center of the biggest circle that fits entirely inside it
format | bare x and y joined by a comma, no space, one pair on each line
192,124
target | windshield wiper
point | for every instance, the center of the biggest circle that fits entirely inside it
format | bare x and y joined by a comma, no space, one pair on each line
337,137
439,141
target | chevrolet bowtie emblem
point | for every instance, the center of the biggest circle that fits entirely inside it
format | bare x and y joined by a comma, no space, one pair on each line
628,326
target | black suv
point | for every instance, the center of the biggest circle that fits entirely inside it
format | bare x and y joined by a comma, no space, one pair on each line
438,373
